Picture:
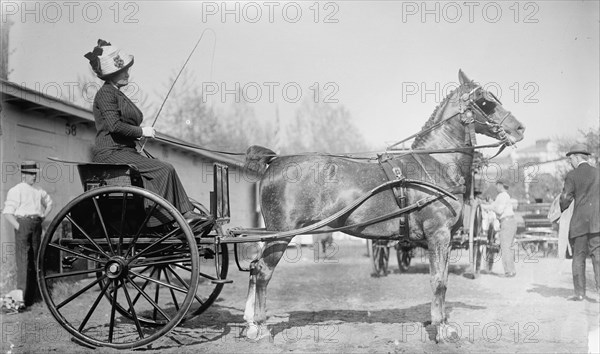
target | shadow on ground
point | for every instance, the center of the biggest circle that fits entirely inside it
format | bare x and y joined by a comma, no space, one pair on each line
547,291
219,322
418,313
422,268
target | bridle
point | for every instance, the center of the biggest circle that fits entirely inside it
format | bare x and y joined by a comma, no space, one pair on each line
484,103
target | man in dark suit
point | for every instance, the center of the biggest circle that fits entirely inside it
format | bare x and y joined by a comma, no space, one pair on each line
582,187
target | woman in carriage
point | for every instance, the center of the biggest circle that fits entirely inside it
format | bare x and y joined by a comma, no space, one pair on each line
118,122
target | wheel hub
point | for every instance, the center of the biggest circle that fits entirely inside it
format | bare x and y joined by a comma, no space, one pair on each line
116,268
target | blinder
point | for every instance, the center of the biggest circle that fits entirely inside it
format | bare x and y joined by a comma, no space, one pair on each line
486,101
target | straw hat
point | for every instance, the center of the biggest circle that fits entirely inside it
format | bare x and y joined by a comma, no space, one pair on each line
578,149
107,59
30,167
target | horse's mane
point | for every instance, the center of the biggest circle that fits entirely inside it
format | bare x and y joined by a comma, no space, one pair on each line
431,119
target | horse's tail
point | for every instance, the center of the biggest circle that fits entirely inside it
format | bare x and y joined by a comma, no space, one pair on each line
258,158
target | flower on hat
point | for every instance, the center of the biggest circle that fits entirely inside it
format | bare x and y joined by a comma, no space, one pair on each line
106,59
119,63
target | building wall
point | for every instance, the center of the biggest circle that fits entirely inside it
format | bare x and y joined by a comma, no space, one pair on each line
28,134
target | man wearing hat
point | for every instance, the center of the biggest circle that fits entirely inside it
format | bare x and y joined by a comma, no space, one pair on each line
582,187
25,208
503,208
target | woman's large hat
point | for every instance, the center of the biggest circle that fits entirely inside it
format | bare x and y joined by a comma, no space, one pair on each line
107,59
29,167
578,149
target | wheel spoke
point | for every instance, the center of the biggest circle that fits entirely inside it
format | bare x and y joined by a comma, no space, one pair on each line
112,251
111,325
142,227
159,282
87,236
185,285
149,299
123,212
171,291
156,290
143,286
132,311
70,298
183,267
80,255
94,305
78,272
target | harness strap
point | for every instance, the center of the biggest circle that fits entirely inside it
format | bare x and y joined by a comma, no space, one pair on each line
395,173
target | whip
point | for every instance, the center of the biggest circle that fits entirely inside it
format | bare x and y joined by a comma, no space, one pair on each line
175,81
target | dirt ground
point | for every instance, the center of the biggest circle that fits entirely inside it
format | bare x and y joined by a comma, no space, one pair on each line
331,304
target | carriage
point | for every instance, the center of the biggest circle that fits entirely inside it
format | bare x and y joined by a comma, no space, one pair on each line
143,269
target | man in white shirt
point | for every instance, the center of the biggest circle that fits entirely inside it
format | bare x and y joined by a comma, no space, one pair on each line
503,208
25,208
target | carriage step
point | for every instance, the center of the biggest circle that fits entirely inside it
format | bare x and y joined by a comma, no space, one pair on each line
222,281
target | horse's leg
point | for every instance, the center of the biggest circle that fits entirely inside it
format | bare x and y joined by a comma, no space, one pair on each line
261,272
439,252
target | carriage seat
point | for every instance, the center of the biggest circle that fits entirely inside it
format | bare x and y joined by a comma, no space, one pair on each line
95,175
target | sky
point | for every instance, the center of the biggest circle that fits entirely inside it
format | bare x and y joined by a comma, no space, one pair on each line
389,63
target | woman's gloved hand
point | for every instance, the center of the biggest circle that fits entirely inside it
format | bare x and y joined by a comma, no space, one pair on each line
148,132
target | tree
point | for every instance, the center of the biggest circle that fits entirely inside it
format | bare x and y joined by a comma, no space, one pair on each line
544,188
242,127
323,127
4,48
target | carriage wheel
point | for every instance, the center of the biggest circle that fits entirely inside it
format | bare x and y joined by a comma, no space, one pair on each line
479,243
491,249
404,256
380,256
118,250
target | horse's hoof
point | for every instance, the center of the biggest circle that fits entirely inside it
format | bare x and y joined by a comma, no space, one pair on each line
469,276
256,332
446,333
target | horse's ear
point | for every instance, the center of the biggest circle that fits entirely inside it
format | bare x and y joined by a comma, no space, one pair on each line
462,78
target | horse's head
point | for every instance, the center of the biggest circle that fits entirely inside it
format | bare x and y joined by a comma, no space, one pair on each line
485,111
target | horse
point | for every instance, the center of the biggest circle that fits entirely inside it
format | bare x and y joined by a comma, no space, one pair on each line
300,190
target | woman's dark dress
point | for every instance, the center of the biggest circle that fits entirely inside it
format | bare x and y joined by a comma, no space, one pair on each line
118,127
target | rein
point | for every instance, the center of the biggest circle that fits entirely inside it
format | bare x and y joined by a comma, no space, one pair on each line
348,156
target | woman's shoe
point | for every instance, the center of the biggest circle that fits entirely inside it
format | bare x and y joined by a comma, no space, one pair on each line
192,218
